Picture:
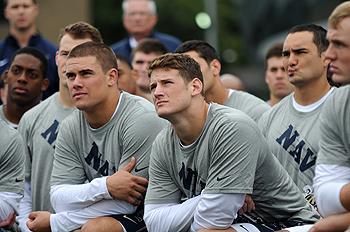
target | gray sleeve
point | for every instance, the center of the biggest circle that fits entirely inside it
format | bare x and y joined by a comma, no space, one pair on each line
67,168
12,162
234,158
138,137
333,149
23,129
162,188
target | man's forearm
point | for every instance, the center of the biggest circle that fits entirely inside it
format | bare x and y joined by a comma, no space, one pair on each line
76,197
67,221
170,217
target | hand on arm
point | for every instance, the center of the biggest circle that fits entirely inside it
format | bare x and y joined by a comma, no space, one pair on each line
7,224
248,205
124,186
39,221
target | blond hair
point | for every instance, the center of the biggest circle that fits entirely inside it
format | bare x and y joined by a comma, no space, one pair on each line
340,12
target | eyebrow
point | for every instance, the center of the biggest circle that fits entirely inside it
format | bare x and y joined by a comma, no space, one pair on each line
21,67
294,51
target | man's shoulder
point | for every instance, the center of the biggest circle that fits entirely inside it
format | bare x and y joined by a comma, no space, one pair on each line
166,37
170,41
120,45
245,96
46,45
279,108
138,104
45,105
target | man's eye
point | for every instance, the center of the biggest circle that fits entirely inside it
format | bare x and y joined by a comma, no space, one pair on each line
33,75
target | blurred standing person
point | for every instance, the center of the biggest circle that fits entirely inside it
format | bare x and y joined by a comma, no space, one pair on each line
275,76
139,19
21,15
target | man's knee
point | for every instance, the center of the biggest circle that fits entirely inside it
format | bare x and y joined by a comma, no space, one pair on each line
102,224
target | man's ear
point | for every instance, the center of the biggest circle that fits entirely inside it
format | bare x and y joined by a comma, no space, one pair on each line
266,79
134,74
326,61
6,74
216,67
112,77
44,84
197,87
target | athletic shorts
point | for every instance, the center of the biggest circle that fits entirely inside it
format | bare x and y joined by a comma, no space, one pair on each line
266,227
132,222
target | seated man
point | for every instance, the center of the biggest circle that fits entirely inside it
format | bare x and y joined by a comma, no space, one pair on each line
214,155
214,91
127,77
96,143
11,176
26,79
332,172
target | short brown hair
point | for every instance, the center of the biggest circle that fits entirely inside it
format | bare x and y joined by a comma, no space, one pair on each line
150,45
187,67
105,56
340,12
275,50
80,30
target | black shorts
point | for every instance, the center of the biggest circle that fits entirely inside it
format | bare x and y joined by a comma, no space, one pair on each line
132,222
266,227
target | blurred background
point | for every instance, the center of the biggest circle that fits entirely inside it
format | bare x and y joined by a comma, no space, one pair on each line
241,30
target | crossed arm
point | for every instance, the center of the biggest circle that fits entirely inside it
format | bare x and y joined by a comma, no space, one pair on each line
115,194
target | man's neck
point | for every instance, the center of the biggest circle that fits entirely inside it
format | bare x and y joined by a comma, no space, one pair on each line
312,92
23,36
140,93
218,93
64,97
188,126
274,100
14,112
100,115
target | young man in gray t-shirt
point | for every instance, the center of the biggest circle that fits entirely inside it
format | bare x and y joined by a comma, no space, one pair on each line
214,156
214,91
291,127
106,142
332,172
40,125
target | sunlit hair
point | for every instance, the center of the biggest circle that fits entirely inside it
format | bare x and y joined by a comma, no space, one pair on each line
340,12
105,57
204,49
320,39
275,50
188,68
80,30
151,6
